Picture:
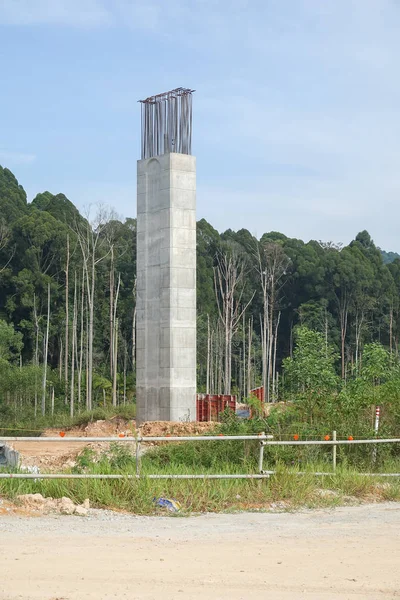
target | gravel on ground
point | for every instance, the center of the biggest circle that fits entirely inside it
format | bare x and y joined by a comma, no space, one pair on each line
340,554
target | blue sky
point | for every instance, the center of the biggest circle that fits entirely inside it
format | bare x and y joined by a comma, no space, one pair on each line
296,110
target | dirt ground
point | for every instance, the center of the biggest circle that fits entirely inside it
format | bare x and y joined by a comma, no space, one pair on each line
52,456
342,554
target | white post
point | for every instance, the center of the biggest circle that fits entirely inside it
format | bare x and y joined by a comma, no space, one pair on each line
261,456
334,451
137,458
376,429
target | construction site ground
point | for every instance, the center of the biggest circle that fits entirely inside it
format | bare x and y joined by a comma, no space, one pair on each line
342,554
53,457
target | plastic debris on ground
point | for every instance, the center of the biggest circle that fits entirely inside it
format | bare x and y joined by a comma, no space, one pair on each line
31,469
168,503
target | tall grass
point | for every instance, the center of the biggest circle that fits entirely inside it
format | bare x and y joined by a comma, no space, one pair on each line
284,490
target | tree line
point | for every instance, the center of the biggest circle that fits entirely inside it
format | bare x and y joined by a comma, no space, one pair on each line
68,298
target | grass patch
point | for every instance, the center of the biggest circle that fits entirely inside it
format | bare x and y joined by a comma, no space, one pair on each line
285,490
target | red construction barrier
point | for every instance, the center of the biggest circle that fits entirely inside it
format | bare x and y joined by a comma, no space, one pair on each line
210,406
258,393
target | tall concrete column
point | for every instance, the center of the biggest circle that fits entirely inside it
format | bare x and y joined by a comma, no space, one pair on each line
166,288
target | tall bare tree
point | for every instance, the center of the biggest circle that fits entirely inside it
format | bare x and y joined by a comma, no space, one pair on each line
74,327
208,355
45,352
134,327
82,334
115,345
272,266
229,289
90,241
66,358
249,349
36,324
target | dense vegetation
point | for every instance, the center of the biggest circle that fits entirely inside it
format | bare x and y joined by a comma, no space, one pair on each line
302,319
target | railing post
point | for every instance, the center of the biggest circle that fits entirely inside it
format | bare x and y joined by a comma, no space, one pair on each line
261,456
376,429
334,447
138,458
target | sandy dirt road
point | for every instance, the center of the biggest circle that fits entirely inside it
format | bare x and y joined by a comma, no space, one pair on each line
346,553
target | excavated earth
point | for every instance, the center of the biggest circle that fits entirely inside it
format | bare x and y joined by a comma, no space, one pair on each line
55,456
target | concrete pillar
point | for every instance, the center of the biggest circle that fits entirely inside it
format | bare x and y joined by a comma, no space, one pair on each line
166,289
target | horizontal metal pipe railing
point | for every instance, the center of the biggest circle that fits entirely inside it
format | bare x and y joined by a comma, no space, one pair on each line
39,476
329,442
127,438
268,438
262,438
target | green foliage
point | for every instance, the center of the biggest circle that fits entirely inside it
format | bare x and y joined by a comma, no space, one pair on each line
310,374
376,364
10,342
334,301
255,405
12,196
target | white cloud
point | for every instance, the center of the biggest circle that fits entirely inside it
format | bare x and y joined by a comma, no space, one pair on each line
16,158
309,89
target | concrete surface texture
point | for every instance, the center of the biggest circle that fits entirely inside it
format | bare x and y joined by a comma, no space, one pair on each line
342,554
166,289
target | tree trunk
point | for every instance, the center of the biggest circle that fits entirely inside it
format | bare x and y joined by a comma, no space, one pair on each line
66,353
72,398
125,361
208,356
60,359
244,356
134,329
274,396
267,392
343,331
212,380
46,350
227,371
90,238
114,373
36,322
81,337
326,334
112,320
249,343
91,335
228,275
115,366
87,356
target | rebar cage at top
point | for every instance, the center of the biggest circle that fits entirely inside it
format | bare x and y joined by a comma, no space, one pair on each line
167,123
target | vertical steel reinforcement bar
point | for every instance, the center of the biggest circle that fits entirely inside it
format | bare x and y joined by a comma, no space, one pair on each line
167,123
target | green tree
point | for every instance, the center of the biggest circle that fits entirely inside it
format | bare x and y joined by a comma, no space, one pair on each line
10,342
310,374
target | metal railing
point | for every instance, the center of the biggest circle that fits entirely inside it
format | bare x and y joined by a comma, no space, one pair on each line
264,440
